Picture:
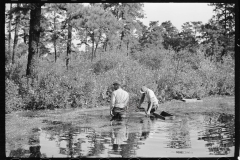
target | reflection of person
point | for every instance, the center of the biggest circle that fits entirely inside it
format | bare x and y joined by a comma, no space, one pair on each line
119,101
146,127
119,137
151,99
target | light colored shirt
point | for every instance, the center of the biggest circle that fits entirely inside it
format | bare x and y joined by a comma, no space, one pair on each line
151,97
119,98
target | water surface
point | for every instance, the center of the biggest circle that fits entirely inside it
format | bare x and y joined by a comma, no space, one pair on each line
191,135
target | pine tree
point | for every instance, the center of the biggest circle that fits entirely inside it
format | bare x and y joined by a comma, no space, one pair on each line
17,20
9,31
34,35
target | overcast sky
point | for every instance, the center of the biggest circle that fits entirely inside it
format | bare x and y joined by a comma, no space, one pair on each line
177,13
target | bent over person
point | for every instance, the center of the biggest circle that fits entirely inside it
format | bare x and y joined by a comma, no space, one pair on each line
151,99
119,101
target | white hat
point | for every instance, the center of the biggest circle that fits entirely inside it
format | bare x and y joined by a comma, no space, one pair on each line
143,89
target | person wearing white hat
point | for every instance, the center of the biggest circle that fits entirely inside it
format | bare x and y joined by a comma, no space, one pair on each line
119,101
151,99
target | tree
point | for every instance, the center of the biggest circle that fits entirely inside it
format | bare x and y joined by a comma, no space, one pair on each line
97,24
127,14
225,16
34,34
188,37
71,11
9,31
171,36
21,16
152,36
17,20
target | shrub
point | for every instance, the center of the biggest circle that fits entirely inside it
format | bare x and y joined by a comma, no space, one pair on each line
13,101
103,66
87,84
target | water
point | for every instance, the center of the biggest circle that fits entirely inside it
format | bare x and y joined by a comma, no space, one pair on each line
192,135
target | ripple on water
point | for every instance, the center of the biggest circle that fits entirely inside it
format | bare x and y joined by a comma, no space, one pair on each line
191,135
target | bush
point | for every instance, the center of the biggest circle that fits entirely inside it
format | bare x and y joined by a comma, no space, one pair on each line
87,84
13,101
103,65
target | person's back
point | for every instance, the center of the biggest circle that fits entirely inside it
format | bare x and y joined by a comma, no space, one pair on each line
121,98
119,101
151,97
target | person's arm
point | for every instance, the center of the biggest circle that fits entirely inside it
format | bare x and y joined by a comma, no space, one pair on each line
112,103
149,109
152,99
141,100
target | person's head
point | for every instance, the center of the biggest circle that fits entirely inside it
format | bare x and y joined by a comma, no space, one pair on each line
116,85
143,90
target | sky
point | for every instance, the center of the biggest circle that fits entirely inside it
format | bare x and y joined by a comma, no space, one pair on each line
177,13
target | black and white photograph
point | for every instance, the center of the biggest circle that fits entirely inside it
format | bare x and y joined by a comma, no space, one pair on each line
120,80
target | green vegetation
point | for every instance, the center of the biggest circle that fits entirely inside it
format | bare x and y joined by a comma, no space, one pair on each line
193,63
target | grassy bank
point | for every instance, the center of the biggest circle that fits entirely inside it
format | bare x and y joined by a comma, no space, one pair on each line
20,125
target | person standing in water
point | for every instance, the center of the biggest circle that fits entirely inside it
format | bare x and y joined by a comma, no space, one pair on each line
151,99
119,101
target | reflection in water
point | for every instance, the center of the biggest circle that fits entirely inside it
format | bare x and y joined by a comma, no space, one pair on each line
179,135
35,151
195,134
119,139
219,134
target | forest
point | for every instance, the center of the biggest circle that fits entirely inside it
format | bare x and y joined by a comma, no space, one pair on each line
67,55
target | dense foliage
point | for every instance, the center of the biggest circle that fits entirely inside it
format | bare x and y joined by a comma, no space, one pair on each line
192,63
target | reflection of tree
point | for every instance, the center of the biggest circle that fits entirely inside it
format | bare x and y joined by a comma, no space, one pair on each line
97,145
69,144
19,153
34,139
128,149
73,141
219,135
35,151
179,136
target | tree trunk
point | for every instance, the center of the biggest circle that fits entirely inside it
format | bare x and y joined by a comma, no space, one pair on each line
105,44
95,49
16,34
34,34
25,35
92,45
127,47
54,40
9,32
69,43
97,42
